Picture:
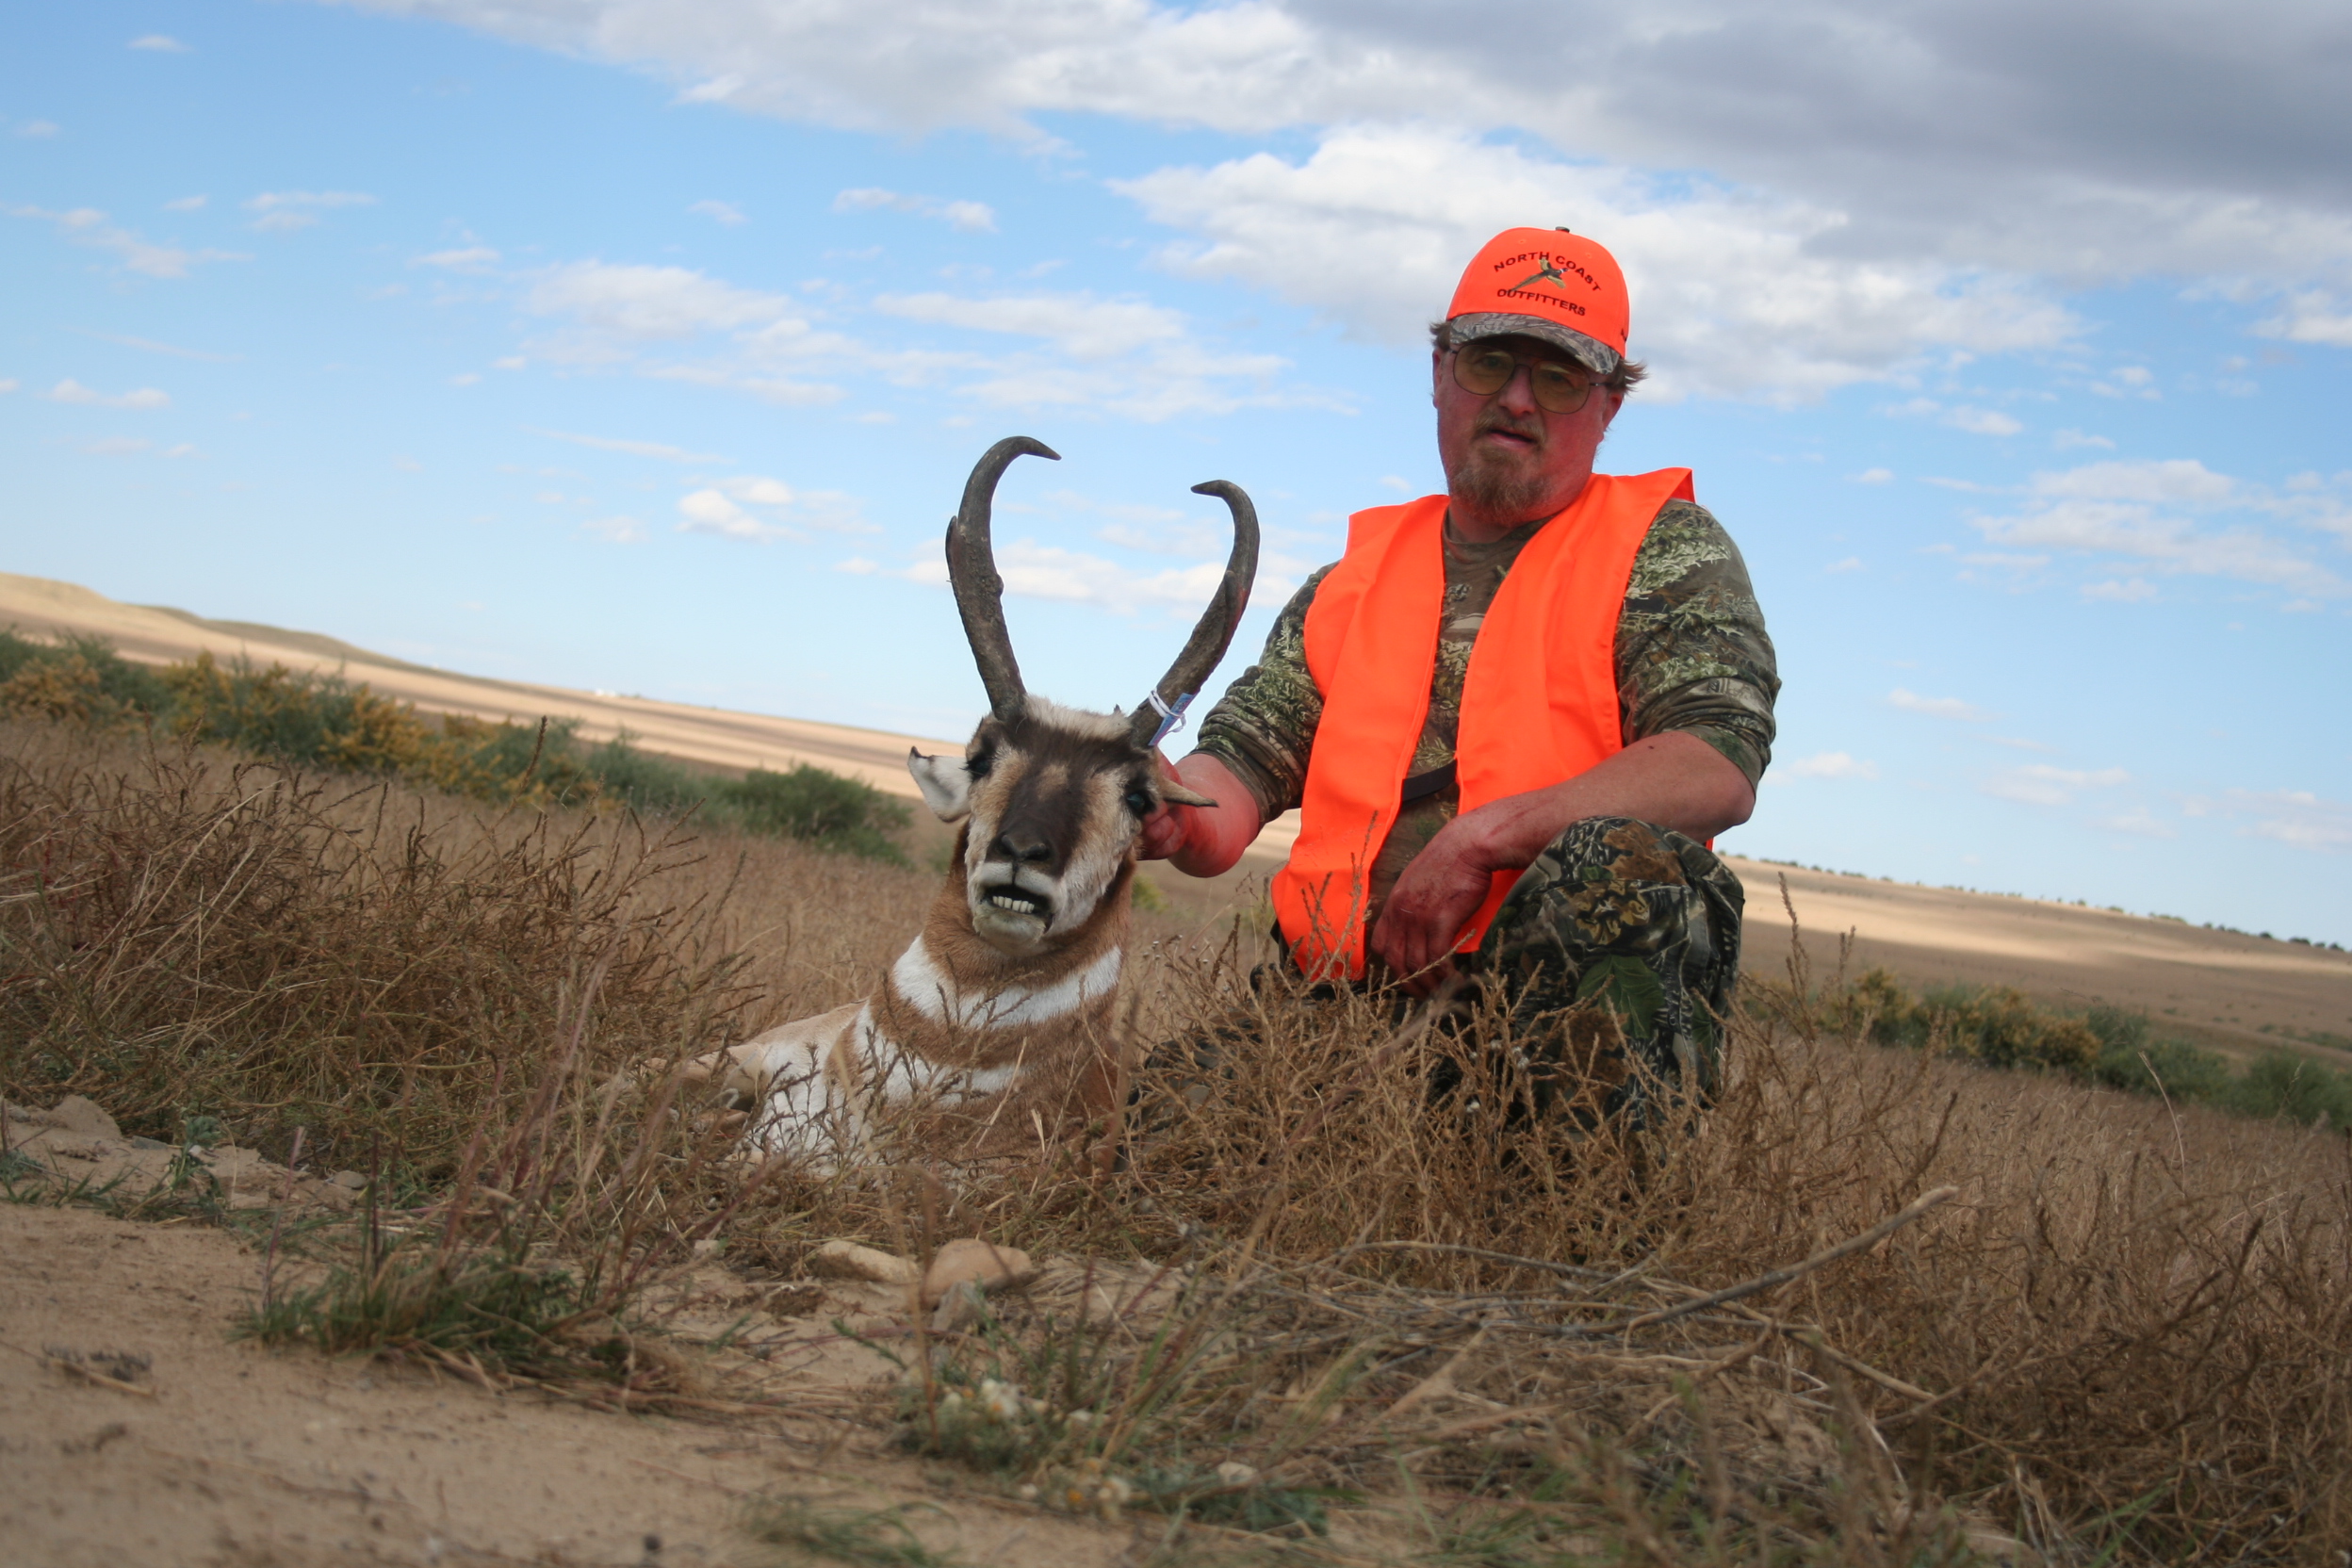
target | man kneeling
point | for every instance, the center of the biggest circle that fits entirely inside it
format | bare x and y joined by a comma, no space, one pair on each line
1512,716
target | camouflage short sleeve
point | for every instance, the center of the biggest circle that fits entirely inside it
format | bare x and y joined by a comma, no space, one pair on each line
1691,655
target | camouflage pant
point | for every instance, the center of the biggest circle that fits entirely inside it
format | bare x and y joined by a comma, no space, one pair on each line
1615,954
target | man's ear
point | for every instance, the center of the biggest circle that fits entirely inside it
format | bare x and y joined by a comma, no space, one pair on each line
946,785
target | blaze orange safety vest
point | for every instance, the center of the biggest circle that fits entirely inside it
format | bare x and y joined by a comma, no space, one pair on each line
1539,703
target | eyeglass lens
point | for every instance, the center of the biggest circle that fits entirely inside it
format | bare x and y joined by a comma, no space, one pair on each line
1558,388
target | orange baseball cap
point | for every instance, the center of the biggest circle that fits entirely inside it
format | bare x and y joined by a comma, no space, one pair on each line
1546,284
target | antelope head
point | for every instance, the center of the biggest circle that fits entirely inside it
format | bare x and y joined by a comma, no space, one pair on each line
1052,798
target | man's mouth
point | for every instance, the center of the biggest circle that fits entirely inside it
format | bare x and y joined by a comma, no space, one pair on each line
1505,435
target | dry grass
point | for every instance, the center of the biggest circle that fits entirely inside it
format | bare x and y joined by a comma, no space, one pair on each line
2122,1337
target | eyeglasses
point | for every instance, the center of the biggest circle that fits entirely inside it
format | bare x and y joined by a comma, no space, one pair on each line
1558,388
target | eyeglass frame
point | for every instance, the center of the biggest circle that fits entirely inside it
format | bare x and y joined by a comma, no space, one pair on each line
1530,366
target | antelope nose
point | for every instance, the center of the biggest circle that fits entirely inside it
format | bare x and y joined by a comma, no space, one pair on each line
1021,846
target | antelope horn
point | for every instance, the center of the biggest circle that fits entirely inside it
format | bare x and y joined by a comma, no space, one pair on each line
971,572
1215,632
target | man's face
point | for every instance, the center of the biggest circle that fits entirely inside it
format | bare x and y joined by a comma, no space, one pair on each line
1509,461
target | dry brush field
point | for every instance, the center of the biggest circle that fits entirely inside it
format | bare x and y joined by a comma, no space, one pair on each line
2105,1329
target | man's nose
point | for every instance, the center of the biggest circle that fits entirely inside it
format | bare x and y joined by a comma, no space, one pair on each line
1518,393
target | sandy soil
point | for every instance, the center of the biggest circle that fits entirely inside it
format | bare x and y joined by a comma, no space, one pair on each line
2221,989
222,1453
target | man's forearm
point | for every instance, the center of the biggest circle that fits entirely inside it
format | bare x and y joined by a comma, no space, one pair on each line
1674,780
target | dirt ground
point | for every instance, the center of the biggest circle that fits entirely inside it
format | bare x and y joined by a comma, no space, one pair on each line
226,1454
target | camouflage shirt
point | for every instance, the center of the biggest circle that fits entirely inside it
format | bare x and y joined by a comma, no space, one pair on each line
1691,655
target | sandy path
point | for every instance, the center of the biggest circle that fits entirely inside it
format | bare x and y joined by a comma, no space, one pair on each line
243,1458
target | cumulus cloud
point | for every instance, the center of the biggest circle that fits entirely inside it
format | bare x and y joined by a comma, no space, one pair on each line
2039,784
89,226
2178,516
1036,571
1936,707
762,510
1732,296
40,130
159,43
2314,316
2137,590
2091,143
725,214
185,203
1976,421
1829,765
278,211
965,216
71,391
1872,476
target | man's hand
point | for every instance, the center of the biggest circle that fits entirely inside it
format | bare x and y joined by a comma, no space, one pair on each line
1201,841
1674,780
1441,889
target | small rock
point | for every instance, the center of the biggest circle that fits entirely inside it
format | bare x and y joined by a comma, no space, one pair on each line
846,1260
77,1114
1233,1473
350,1180
977,1263
958,1309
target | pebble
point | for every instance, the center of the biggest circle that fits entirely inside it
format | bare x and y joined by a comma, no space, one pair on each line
976,1263
846,1260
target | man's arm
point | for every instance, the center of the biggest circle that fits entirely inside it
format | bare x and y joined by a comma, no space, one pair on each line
1676,782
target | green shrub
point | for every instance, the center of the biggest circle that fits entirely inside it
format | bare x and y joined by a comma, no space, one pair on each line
2286,1087
2131,1057
821,808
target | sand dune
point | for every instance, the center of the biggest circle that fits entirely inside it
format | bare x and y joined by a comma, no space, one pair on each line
2222,987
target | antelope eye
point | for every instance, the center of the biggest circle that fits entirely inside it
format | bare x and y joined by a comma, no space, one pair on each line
980,761
1140,802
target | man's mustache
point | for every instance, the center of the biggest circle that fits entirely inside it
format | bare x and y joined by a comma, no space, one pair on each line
1530,429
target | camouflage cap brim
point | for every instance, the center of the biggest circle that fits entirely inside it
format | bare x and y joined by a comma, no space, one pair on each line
1598,357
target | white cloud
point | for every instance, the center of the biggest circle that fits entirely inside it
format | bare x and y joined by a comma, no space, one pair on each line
7,387
2039,784
650,303
2067,439
1851,563
2148,512
116,445
725,214
2312,316
1936,707
2139,821
635,449
160,44
185,203
281,210
1829,765
1734,293
2295,817
1983,421
71,391
469,258
1872,476
965,216
1126,356
89,226
762,510
40,130
1036,571
617,531
465,378
2137,590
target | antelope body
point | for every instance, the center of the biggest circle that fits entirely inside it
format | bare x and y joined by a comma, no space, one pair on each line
994,1026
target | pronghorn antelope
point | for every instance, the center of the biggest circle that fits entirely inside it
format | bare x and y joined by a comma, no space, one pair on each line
995,1025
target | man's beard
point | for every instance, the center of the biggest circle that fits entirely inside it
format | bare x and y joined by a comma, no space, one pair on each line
1500,483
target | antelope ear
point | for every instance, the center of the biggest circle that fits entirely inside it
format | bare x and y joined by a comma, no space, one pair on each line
945,784
1176,795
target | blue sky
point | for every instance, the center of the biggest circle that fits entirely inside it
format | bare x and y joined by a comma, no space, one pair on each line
643,345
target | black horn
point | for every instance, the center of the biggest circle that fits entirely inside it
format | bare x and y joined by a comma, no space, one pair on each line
1215,631
971,572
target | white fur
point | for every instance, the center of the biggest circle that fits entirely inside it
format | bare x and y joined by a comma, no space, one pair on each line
921,981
